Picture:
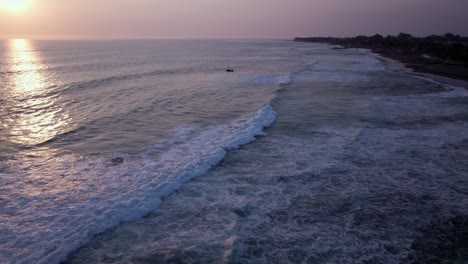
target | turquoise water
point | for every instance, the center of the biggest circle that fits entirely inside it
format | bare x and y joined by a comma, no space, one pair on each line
351,159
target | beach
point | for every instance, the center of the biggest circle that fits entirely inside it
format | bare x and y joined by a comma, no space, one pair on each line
439,55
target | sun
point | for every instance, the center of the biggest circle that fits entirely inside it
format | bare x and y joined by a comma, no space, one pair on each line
13,5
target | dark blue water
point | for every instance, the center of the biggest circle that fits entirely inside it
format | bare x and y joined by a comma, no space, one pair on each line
361,162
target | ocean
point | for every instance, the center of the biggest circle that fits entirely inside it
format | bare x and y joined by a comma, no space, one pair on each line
149,151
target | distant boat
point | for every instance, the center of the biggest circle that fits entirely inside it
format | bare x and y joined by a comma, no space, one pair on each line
230,70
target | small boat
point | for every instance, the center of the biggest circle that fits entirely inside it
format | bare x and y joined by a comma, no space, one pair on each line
230,70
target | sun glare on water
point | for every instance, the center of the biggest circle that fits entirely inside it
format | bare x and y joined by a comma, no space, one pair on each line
13,5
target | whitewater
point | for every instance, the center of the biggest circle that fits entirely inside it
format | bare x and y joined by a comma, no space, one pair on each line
150,152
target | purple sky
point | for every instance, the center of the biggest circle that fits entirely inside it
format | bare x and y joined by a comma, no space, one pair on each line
229,18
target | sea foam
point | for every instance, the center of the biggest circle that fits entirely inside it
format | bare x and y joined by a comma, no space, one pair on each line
94,194
279,79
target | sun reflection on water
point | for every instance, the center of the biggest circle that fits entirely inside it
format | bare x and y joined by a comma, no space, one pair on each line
25,65
36,117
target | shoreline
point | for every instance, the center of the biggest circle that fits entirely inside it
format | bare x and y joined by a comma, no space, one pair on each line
408,70
442,79
418,64
436,72
452,73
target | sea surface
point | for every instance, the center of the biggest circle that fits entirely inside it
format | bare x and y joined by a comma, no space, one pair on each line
148,151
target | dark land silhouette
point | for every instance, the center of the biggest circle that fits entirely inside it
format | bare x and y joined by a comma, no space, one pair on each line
445,55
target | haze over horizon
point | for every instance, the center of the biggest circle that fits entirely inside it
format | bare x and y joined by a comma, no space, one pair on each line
83,19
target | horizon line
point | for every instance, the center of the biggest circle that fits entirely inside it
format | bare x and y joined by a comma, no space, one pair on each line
147,38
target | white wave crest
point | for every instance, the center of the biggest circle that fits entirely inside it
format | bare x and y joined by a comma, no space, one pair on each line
90,195
277,79
452,91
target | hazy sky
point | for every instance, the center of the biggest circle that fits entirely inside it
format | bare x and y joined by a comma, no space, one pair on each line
228,18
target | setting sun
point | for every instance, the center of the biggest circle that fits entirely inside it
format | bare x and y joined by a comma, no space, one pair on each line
13,5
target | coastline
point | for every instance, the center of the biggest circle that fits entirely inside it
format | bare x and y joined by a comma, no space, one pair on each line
409,70
442,79
420,64
454,75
